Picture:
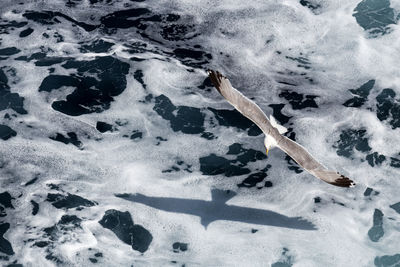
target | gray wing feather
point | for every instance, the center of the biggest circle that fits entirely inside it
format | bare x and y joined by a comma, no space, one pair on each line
244,105
310,164
252,111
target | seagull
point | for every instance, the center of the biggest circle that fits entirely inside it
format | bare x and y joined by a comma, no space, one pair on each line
274,132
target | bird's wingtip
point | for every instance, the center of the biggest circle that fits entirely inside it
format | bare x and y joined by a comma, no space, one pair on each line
344,181
216,78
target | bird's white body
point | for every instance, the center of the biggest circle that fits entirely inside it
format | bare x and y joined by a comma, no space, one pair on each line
269,141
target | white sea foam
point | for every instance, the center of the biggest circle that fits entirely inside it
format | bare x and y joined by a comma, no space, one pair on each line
244,39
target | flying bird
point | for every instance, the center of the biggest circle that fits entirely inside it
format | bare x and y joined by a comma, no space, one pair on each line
274,132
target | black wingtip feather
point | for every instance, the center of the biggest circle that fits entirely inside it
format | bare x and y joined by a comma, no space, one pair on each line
343,181
215,78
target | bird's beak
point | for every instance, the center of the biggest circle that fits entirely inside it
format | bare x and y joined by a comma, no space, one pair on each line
267,151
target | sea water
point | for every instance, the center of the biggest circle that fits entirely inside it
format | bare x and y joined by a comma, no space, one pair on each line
116,150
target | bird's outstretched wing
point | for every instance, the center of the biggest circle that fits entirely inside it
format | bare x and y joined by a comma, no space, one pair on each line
244,105
298,153
310,164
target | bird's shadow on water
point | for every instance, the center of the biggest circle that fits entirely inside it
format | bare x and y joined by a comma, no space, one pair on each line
217,209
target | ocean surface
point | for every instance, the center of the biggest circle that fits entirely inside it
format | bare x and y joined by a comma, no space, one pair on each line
116,150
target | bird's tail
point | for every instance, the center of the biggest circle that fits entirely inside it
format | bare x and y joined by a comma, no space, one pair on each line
281,129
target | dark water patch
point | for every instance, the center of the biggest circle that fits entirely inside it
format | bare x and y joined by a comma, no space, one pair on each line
206,85
394,162
299,101
6,132
147,23
233,118
147,99
9,51
137,47
121,122
121,224
94,95
7,26
71,139
97,46
138,75
54,187
320,202
14,265
253,179
369,192
103,127
5,203
41,244
214,165
93,260
72,3
192,57
59,38
286,83
178,31
178,166
189,120
98,1
91,94
127,18
160,139
375,159
50,256
338,203
26,32
375,16
67,223
388,107
69,201
32,181
396,207
244,155
268,184
376,231
49,61
5,245
35,207
50,17
285,261
352,139
8,99
208,136
45,18
277,113
387,261
38,55
4,258
302,61
314,7
179,247
136,135
137,59
360,95
292,165
52,82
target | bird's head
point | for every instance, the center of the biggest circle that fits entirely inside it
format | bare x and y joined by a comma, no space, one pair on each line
269,143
